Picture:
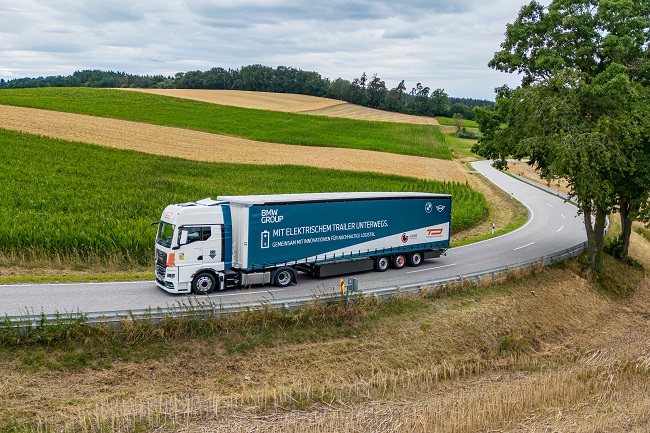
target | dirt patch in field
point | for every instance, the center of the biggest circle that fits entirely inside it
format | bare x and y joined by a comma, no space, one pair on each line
203,146
524,170
290,103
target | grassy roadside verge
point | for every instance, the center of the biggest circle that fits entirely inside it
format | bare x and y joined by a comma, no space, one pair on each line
87,278
268,126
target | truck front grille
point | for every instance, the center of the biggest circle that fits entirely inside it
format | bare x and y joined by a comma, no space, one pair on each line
161,264
160,272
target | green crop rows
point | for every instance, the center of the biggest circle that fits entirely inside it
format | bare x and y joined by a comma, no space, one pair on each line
269,126
64,199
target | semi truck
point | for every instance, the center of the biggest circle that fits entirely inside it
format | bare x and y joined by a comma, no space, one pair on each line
239,241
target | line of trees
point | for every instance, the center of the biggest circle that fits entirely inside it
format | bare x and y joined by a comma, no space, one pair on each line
582,110
369,92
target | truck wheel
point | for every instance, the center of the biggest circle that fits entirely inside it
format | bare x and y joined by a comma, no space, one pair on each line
415,259
283,278
399,261
204,283
381,264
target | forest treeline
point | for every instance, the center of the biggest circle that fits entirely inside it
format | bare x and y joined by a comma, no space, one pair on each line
370,92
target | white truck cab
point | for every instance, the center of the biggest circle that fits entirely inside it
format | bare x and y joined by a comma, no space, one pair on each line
191,238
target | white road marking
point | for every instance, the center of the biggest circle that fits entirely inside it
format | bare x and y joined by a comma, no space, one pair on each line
431,269
560,229
549,205
246,293
523,246
534,196
563,216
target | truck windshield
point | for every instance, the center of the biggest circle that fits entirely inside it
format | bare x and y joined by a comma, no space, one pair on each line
165,234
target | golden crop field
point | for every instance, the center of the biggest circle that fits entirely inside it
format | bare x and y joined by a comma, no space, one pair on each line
202,146
291,103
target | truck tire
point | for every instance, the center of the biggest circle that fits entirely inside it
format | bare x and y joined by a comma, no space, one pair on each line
283,278
204,283
399,261
382,263
415,259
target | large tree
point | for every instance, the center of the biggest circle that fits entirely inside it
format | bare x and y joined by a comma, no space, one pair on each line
376,90
582,109
395,99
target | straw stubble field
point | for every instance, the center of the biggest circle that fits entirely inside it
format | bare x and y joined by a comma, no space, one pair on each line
548,352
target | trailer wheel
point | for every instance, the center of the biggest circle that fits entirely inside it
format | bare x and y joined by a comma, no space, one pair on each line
283,278
399,261
415,259
381,264
204,283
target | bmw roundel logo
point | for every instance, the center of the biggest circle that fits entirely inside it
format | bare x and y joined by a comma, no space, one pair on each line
428,207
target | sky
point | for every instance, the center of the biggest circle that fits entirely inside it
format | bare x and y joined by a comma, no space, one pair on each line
440,43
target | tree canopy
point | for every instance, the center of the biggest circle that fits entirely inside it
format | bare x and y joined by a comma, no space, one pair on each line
583,107
372,93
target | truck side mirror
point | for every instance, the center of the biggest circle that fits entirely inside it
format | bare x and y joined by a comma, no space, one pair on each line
183,240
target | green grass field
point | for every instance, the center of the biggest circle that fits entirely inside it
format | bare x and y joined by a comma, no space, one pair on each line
269,126
448,121
74,200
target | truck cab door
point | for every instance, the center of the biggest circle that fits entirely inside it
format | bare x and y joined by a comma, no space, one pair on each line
201,246
191,248
212,244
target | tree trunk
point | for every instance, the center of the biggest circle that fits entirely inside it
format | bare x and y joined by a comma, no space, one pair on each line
599,237
595,238
625,210
591,239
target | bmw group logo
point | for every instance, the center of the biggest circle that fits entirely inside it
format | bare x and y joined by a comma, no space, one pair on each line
440,208
428,207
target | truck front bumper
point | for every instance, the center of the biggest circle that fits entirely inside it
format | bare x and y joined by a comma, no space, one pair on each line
168,281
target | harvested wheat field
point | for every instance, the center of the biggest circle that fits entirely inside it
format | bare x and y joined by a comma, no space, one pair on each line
352,111
522,169
291,103
202,146
527,357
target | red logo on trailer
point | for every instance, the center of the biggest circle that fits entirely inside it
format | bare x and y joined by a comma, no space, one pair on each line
434,232
405,238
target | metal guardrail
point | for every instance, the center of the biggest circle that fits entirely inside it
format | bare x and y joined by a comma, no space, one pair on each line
545,188
201,309
554,192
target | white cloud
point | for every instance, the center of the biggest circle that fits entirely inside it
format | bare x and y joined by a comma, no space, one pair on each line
441,44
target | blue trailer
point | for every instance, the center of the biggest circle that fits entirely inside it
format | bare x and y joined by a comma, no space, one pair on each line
237,241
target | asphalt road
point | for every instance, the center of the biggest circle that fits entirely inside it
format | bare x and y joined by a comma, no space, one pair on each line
553,226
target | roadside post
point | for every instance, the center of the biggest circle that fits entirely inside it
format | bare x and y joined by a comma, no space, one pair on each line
351,286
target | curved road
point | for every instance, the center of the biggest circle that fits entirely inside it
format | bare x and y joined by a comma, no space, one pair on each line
553,226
